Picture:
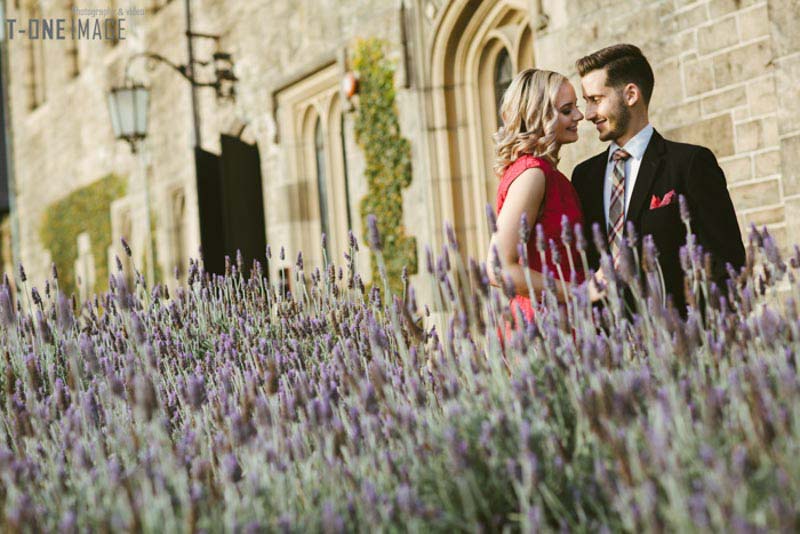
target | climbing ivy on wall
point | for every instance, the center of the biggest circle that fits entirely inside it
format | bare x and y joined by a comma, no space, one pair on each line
87,209
388,159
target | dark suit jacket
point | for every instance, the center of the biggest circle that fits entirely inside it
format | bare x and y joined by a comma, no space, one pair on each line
689,170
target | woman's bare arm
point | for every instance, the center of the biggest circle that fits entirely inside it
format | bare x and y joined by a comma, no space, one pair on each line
525,195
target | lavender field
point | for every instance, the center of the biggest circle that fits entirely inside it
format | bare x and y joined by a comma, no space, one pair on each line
229,406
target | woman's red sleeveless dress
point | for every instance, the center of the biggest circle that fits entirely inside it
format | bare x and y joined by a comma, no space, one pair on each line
560,199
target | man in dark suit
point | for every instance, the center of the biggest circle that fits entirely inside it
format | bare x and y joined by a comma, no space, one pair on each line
641,175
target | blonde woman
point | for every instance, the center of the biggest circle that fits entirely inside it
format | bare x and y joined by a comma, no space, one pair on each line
540,114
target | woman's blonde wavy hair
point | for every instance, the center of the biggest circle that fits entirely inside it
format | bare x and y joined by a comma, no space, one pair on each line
529,117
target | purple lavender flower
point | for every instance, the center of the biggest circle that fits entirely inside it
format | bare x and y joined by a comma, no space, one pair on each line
522,252
7,315
125,247
540,240
686,259
196,390
524,231
231,468
771,251
64,316
508,286
555,253
37,299
630,233
626,267
491,219
445,258
649,254
566,231
332,522
580,238
373,235
451,235
429,260
597,236
684,209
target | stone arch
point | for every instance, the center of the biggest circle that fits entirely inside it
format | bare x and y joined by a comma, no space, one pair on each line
339,201
468,38
299,105
309,119
326,109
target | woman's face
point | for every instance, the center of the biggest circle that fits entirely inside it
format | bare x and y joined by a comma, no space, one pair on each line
568,115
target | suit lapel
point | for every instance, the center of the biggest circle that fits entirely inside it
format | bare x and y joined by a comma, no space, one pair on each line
648,170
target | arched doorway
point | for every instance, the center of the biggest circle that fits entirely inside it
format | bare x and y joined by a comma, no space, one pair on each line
477,48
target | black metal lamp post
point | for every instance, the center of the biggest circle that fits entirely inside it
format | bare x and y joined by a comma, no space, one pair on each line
127,106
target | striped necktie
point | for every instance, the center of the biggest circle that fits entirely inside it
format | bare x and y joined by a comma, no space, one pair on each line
616,206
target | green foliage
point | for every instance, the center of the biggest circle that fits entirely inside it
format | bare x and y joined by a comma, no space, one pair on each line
388,159
84,210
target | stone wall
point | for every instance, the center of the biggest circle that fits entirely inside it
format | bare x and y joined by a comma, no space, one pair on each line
727,76
724,69
67,141
784,17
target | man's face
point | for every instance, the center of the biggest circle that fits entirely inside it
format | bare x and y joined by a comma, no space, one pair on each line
604,106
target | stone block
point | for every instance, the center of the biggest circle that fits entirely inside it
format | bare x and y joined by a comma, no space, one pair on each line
761,96
737,169
640,25
683,20
792,211
767,163
787,88
763,217
661,47
698,76
753,23
790,169
680,115
717,35
750,196
294,204
741,114
724,101
780,233
742,63
756,134
668,78
718,8
784,15
715,133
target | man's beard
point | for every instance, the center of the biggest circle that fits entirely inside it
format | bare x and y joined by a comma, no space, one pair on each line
618,123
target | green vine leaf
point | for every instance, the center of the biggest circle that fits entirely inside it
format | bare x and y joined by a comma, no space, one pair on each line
388,159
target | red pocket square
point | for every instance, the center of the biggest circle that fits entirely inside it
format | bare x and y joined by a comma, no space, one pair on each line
656,202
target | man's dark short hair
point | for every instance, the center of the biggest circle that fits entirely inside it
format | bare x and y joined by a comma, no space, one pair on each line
624,64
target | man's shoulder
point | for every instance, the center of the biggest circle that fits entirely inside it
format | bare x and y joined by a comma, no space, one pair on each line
591,162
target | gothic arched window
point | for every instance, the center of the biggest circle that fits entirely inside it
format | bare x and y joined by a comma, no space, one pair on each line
322,186
503,74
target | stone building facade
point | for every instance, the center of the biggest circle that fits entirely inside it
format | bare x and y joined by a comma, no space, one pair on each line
727,76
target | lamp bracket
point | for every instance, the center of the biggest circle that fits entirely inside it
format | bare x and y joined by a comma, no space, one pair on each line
186,72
